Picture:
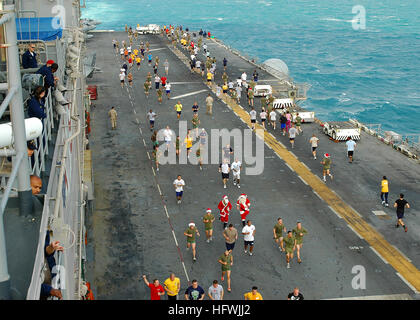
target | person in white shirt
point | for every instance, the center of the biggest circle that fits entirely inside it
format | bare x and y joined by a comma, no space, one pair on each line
263,116
236,170
273,115
314,144
122,78
350,148
151,115
179,188
167,133
166,65
122,53
168,89
243,77
253,115
224,168
216,291
292,135
205,47
249,232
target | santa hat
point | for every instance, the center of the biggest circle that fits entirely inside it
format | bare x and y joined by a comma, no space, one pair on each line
225,197
191,224
208,210
326,155
50,61
244,195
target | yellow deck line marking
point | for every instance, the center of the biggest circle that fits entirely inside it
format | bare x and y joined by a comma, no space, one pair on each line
405,268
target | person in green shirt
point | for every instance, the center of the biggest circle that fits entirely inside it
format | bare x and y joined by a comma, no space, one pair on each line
177,145
200,160
195,123
290,244
326,165
298,121
225,77
159,93
190,234
252,84
270,101
234,95
149,77
208,224
146,88
298,232
263,102
226,260
250,97
278,233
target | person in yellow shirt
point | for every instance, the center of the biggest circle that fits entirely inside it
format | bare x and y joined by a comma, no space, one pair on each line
384,191
138,59
136,52
172,286
253,295
178,109
188,141
209,77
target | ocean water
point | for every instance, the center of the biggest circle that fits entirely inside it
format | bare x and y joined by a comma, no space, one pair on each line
371,74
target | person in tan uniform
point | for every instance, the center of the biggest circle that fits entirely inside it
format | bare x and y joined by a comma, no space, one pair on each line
113,115
209,104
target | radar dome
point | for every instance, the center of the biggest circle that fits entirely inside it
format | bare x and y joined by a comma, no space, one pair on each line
279,66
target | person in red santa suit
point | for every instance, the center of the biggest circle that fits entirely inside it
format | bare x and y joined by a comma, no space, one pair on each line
224,206
243,205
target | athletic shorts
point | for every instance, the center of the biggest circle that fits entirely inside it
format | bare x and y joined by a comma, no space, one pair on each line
157,85
282,125
122,81
209,80
230,246
253,120
400,215
179,194
314,148
150,61
262,120
178,112
168,91
138,63
225,175
289,250
236,175
152,121
292,139
224,91
188,149
249,243
350,153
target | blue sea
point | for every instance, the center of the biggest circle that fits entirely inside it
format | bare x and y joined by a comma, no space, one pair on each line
371,74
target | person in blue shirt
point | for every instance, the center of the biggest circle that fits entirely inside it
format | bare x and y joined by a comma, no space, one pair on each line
48,72
36,104
194,292
29,58
350,148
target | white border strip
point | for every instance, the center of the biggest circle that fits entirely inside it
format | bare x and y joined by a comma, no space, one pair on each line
407,283
377,253
352,229
336,213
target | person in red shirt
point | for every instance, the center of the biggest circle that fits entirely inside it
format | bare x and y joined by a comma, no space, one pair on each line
156,290
163,80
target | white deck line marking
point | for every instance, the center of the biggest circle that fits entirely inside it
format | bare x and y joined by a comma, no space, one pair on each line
185,270
352,229
335,212
379,213
176,242
303,180
402,253
157,49
134,111
148,155
166,210
189,94
144,142
293,154
317,194
141,132
160,192
289,166
407,283
137,120
154,173
306,166
282,144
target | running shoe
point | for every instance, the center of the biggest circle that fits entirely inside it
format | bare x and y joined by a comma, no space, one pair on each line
239,186
288,265
405,229
299,261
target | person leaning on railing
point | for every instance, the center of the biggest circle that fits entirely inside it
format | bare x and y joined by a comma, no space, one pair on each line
36,104
48,72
